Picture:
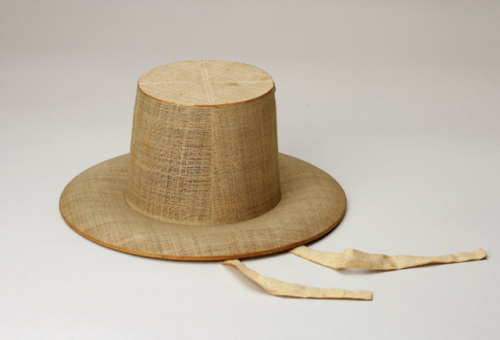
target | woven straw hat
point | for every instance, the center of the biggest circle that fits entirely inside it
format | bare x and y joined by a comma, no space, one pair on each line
204,179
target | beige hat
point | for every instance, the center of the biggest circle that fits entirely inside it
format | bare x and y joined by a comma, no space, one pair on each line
204,179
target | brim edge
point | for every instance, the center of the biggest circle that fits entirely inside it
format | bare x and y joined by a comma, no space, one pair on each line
205,258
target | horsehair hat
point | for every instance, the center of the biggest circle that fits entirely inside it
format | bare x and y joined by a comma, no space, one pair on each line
204,179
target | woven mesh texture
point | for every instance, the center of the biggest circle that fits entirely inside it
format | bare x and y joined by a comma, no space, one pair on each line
93,204
205,83
204,179
205,165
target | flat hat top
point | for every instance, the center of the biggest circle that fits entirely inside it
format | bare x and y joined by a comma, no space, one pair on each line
205,83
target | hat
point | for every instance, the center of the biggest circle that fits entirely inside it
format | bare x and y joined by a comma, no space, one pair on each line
204,179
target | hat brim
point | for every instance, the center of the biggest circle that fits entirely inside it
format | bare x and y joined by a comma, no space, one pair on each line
94,205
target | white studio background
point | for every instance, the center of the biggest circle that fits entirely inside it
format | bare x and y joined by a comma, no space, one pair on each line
398,100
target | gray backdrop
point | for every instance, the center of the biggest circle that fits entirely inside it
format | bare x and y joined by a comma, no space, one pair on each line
398,100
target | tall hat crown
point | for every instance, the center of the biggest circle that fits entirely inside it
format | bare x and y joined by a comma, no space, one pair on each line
204,145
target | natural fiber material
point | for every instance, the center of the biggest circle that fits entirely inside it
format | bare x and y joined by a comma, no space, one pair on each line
204,179
204,165
280,288
206,83
350,258
356,259
94,205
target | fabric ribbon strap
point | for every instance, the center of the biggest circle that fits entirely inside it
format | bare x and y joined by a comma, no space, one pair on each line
352,258
279,288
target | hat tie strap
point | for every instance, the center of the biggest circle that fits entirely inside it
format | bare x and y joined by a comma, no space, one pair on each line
350,258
